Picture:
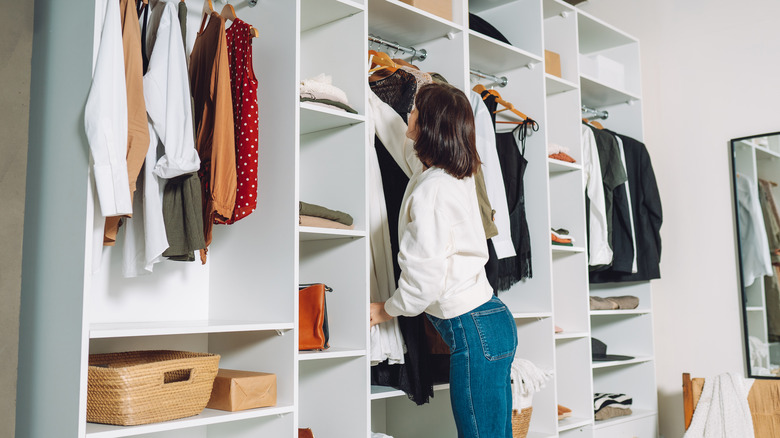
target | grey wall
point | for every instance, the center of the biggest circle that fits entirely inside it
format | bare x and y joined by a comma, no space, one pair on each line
51,309
16,34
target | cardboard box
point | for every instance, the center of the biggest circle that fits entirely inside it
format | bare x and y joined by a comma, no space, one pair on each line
552,63
441,8
238,390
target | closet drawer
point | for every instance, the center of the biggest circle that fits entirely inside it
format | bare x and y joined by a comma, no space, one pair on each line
643,427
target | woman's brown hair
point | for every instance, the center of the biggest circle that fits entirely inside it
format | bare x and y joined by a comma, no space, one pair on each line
445,130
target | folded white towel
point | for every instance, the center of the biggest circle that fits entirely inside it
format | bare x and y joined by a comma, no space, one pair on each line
723,410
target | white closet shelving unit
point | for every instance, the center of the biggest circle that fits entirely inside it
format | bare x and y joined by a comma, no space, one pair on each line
243,303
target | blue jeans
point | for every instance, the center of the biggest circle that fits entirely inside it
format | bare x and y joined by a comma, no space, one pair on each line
482,346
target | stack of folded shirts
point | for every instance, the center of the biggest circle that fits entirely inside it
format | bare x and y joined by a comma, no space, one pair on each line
561,237
608,406
558,152
312,215
623,302
320,90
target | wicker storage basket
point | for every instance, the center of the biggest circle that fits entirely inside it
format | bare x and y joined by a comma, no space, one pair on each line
141,387
520,422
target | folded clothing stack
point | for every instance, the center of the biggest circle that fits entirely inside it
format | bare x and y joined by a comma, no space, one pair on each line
560,153
561,237
313,215
320,90
623,302
608,406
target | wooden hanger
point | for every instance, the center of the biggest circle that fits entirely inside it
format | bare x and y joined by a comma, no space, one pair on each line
593,123
382,60
253,30
479,88
229,12
208,8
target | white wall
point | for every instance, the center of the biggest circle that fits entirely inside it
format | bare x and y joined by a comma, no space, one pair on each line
711,72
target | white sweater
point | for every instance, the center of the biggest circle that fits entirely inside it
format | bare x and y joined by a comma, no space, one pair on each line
442,246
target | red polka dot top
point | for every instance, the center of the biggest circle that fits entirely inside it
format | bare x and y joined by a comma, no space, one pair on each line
245,117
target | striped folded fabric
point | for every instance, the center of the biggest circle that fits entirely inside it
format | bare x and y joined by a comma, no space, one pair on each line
619,401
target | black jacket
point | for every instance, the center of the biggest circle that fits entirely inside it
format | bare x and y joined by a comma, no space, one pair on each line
646,206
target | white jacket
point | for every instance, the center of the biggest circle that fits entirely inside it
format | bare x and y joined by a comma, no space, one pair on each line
442,246
105,118
600,252
494,179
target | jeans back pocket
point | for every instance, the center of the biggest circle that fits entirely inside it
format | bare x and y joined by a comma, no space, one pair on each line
497,332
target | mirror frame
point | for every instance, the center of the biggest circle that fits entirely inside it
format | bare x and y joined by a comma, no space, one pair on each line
743,289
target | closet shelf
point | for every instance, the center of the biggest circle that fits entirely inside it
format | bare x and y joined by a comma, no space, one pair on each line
618,363
571,335
409,26
315,13
558,166
620,312
531,315
754,309
318,118
596,94
208,416
490,55
573,423
553,8
315,233
635,415
532,434
330,353
383,392
762,150
557,85
596,35
567,249
134,329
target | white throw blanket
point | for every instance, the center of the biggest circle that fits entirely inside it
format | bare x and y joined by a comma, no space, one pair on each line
723,410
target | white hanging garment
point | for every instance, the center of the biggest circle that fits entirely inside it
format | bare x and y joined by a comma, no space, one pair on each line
756,259
494,179
599,250
105,118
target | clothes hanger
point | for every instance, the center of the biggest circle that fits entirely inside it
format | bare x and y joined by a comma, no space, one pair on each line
253,30
208,7
383,61
229,12
593,123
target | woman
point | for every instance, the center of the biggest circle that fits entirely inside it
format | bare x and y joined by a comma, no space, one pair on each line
442,255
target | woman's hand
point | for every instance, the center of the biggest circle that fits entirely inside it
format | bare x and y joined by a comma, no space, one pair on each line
378,314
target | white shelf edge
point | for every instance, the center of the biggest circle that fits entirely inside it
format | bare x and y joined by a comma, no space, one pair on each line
754,309
635,415
620,312
356,8
385,392
562,6
553,78
207,417
356,118
561,248
505,46
124,330
331,353
572,335
764,150
606,25
618,363
423,13
573,423
315,233
617,90
562,166
531,315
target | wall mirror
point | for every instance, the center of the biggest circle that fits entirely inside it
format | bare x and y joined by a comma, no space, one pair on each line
755,177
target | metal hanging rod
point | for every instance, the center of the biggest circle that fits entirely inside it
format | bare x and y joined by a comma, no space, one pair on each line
594,113
500,81
420,54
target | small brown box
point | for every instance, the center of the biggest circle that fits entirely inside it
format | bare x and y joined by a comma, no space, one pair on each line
441,8
238,390
552,63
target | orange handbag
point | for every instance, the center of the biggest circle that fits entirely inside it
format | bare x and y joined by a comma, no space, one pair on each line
313,332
